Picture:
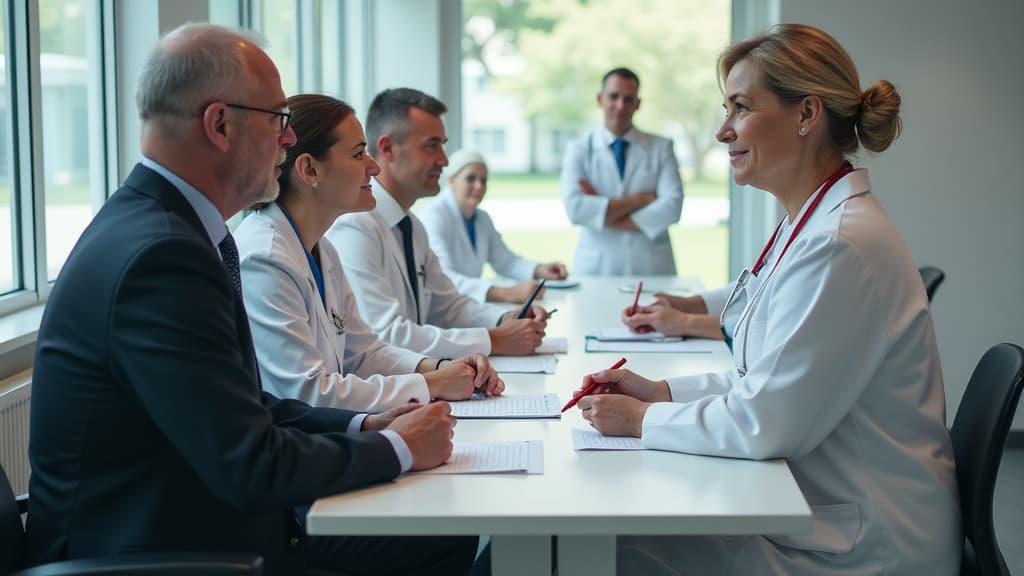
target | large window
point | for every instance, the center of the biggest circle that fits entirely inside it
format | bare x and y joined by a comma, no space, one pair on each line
70,89
278,25
513,84
8,241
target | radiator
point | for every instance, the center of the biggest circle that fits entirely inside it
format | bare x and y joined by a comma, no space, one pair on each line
14,411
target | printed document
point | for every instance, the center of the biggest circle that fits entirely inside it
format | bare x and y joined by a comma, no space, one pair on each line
525,364
492,457
508,406
690,346
553,345
585,439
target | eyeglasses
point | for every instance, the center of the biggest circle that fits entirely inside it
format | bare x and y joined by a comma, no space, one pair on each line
284,113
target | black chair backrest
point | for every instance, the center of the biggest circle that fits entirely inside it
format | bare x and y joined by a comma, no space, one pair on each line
932,277
979,435
12,535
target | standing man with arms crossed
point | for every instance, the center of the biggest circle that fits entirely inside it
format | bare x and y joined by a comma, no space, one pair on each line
622,186
149,431
396,278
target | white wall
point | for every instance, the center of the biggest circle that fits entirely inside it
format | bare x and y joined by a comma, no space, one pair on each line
952,183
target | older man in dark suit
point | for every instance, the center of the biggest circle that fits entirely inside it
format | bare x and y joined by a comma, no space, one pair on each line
149,430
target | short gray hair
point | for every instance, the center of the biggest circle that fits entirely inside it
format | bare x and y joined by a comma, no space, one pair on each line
389,114
190,67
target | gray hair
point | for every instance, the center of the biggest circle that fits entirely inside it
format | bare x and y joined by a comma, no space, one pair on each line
191,66
389,114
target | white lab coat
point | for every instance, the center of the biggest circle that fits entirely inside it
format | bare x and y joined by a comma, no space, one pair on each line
301,351
844,382
650,167
369,244
449,240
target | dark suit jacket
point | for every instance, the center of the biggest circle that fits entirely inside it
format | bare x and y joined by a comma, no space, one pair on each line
149,431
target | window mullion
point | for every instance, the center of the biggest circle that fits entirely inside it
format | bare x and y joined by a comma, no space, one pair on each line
27,92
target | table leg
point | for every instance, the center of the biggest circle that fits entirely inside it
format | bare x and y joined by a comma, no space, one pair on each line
520,555
586,555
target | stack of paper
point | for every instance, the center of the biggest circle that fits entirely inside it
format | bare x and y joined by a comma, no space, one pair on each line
511,406
491,457
525,364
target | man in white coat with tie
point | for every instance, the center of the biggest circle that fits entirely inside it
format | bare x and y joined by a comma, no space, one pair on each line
622,187
397,279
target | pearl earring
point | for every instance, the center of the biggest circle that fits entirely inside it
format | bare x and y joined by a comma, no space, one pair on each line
803,130
315,185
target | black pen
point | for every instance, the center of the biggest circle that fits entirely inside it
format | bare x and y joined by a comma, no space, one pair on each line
552,312
529,301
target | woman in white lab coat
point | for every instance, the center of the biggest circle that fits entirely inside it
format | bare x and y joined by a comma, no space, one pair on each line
837,368
310,340
464,237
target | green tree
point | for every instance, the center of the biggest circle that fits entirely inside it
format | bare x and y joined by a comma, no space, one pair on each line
671,44
486,23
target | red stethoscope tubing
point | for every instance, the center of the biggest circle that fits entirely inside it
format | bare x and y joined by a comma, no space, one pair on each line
829,182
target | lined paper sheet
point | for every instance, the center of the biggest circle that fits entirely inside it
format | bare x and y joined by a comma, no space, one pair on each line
508,406
586,439
553,345
544,364
492,457
622,334
688,346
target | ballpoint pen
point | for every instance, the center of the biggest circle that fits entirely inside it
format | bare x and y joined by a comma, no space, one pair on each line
529,301
590,387
552,312
636,297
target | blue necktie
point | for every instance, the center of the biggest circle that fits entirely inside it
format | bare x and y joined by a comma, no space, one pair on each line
619,149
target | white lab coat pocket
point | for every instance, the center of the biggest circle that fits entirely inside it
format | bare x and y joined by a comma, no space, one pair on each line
834,529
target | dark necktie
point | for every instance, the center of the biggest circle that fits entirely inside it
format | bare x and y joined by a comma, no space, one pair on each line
229,254
619,149
405,226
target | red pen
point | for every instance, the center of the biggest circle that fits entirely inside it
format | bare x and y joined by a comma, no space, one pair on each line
636,297
589,388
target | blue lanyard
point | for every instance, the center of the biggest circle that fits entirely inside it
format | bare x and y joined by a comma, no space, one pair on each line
313,266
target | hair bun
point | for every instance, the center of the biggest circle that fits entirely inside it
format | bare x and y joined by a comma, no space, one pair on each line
878,123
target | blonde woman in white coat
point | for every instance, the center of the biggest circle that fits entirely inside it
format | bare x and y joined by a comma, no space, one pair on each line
310,340
837,368
464,238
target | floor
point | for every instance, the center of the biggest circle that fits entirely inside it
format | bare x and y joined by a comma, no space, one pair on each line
1009,510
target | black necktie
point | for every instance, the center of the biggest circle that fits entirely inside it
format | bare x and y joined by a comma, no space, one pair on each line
405,225
229,254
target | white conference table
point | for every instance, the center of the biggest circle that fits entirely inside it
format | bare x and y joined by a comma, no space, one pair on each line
586,498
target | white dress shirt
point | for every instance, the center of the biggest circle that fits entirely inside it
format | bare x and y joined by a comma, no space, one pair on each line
370,247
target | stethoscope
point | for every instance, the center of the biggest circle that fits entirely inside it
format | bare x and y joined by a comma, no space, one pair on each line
741,281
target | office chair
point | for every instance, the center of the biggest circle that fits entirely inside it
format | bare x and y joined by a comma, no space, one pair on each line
12,553
932,278
979,434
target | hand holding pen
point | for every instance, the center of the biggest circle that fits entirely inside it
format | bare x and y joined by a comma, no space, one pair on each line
529,301
589,387
636,297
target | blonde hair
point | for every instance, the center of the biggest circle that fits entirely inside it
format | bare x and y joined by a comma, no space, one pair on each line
796,61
